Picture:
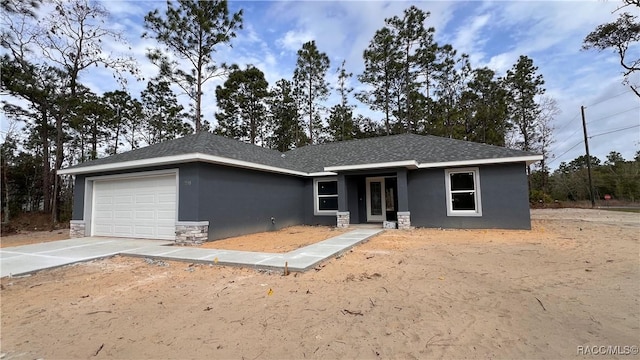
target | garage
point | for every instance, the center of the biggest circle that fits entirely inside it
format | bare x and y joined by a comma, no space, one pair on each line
140,207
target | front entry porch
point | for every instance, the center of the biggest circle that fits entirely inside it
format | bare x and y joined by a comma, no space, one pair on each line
373,198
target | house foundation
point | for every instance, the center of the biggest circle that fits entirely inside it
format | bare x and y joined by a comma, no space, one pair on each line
404,220
343,219
192,232
77,229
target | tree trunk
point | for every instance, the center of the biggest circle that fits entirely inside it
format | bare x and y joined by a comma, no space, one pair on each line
46,170
55,209
386,103
94,141
310,113
5,182
407,89
199,88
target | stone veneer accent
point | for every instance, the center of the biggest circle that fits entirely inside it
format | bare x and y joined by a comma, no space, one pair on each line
404,220
390,225
192,232
343,219
77,229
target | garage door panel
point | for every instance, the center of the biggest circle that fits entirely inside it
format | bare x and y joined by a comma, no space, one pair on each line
123,200
142,207
166,232
145,215
145,199
144,231
101,228
166,198
166,215
122,215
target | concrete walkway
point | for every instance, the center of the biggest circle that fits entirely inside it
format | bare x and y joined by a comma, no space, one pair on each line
301,259
22,260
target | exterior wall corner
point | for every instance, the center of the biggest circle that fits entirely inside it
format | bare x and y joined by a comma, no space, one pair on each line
192,232
77,229
343,219
404,220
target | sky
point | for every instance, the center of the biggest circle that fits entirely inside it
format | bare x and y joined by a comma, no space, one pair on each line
493,33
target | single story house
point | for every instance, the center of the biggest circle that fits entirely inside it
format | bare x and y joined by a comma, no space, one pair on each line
204,187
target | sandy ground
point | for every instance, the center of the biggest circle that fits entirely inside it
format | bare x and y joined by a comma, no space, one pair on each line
281,241
33,237
572,281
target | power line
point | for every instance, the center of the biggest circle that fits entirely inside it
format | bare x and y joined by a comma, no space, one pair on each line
571,148
613,131
566,137
612,115
568,122
609,98
588,122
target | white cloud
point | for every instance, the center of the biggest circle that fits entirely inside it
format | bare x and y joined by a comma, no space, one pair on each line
494,34
293,40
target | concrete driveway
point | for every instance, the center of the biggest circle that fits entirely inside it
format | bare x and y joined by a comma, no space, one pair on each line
20,260
25,259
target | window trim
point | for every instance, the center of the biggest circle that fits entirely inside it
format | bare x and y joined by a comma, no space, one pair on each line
316,203
476,190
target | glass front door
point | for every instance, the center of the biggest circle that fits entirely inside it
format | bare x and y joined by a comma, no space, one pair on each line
376,204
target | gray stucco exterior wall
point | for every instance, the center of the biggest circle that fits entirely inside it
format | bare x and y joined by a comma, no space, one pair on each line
79,186
308,208
77,211
237,201
504,192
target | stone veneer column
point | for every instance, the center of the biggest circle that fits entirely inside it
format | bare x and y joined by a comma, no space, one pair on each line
404,220
343,219
77,229
192,232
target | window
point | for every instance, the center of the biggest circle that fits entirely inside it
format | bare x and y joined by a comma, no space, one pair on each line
325,196
463,192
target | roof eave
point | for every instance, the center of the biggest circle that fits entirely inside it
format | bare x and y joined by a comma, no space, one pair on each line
328,171
529,159
413,164
409,164
178,159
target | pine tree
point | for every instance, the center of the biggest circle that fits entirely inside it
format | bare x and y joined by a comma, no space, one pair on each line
341,123
620,36
381,61
524,84
126,120
191,31
285,127
410,35
164,117
485,104
309,77
242,104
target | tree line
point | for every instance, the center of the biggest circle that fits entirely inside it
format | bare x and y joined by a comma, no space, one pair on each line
417,84
616,177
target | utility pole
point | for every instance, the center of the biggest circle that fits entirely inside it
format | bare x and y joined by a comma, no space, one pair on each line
586,146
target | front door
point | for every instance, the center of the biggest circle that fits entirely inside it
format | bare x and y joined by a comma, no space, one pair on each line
376,208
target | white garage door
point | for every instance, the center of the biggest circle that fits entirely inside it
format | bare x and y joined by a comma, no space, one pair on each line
143,207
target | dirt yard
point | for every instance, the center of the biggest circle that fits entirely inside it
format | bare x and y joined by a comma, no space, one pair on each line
33,237
572,281
281,241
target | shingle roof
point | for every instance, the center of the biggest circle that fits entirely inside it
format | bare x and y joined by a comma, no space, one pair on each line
204,143
314,158
421,148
